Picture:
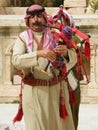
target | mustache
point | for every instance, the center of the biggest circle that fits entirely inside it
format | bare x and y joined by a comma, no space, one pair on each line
37,23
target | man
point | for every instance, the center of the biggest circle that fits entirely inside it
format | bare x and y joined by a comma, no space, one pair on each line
45,96
68,20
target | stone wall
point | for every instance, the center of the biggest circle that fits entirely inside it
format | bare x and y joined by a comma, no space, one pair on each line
4,3
75,3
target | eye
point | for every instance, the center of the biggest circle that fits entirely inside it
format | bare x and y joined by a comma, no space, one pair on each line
39,15
32,16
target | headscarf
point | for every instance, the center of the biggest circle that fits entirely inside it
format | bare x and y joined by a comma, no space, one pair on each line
34,9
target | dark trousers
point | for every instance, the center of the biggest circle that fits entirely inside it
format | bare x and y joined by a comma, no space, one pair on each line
75,107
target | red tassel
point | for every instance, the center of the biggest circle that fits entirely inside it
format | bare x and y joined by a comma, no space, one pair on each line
62,109
87,50
19,115
79,58
72,98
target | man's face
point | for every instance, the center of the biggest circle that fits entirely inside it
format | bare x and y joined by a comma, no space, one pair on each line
37,18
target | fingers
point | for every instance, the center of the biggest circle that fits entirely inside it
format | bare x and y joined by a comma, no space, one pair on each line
51,55
61,49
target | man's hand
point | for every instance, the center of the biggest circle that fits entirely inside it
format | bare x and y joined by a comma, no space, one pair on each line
61,49
49,54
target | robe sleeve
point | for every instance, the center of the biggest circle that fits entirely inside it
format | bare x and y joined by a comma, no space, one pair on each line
72,59
20,58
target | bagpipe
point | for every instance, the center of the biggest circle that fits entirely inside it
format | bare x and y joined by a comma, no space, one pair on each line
64,37
83,47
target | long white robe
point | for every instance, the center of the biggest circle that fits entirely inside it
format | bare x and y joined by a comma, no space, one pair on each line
41,103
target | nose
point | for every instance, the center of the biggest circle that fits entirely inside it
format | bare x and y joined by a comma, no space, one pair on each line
35,17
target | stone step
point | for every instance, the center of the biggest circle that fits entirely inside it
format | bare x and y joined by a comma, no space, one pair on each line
9,93
21,11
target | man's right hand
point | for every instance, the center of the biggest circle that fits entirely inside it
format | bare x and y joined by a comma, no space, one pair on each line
49,54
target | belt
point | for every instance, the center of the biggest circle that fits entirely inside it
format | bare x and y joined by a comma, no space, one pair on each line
39,82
